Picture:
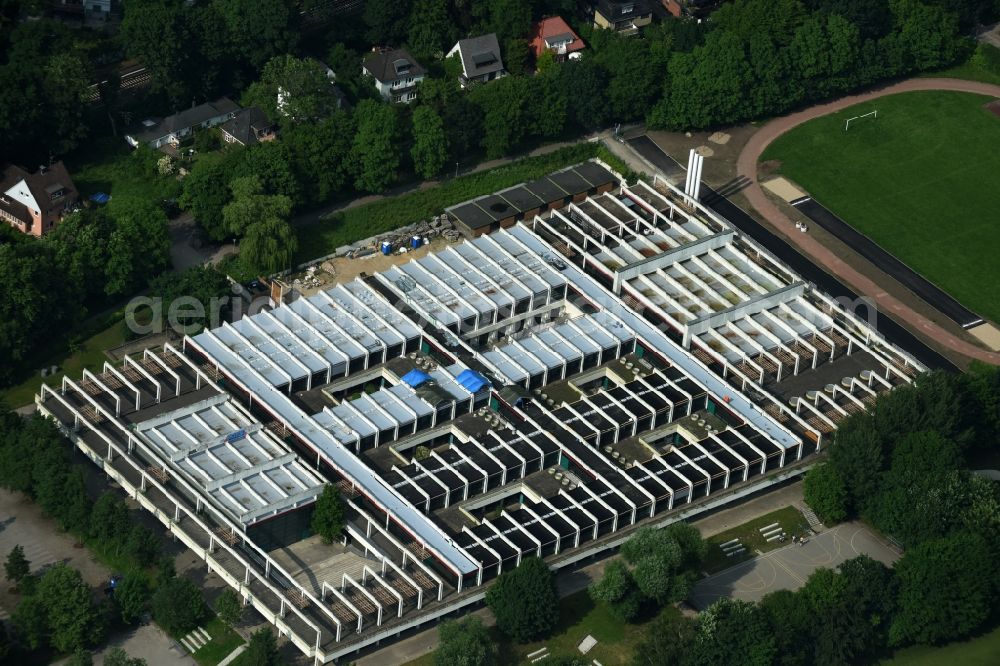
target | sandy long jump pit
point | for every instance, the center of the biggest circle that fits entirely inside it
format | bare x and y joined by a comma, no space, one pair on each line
784,189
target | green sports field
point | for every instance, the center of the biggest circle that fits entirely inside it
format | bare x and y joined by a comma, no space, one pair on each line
922,180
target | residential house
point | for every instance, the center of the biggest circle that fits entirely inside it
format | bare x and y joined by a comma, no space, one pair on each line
396,74
623,16
480,58
339,99
81,9
554,34
249,126
695,8
172,129
35,202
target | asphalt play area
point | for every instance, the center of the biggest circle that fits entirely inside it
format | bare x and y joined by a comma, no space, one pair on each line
788,568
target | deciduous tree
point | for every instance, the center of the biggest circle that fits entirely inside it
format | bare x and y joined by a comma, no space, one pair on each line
524,601
430,144
826,493
229,606
262,650
374,152
178,605
464,642
71,618
947,587
328,514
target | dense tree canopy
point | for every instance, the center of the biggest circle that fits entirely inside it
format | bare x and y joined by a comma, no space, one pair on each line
524,600
178,605
374,150
328,514
947,587
430,142
464,642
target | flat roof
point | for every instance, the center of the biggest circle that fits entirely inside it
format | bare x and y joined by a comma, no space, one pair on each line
521,198
337,456
220,448
471,215
594,173
497,206
570,181
546,190
664,345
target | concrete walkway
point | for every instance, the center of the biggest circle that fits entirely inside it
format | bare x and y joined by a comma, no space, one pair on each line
747,167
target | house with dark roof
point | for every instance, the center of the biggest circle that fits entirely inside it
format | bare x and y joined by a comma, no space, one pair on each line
249,126
172,129
395,73
623,16
480,58
34,203
554,34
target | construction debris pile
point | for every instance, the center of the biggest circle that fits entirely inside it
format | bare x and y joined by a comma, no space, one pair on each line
439,225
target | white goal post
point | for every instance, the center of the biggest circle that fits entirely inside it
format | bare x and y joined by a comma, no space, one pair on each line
873,114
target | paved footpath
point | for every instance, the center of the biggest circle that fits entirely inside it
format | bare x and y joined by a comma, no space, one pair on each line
746,165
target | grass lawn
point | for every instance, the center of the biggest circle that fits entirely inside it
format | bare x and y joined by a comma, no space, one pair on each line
353,224
580,617
920,180
224,641
980,651
89,354
790,519
107,164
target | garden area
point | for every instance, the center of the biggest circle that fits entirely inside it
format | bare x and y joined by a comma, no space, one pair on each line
108,164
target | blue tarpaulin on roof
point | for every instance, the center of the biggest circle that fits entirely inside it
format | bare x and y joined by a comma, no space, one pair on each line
415,378
471,381
100,198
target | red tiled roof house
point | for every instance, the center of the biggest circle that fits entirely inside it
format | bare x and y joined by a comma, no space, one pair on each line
554,34
34,202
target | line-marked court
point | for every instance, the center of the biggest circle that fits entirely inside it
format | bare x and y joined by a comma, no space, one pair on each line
788,568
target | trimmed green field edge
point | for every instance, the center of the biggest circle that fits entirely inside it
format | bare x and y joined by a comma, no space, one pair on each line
914,181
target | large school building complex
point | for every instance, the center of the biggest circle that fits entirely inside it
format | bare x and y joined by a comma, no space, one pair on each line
621,359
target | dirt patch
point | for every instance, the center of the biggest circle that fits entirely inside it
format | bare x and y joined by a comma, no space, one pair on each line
768,167
720,138
784,189
721,167
988,334
993,107
348,269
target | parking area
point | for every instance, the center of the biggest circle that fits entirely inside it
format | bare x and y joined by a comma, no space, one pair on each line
22,523
788,568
